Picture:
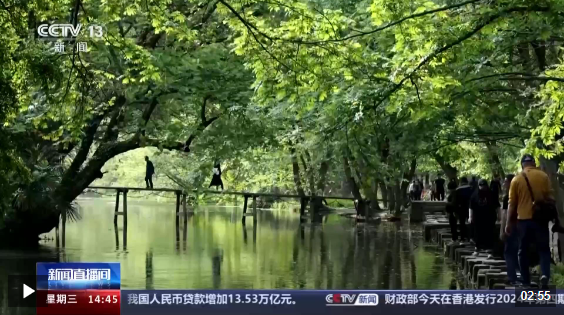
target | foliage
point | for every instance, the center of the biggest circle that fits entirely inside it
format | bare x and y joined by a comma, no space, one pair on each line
312,96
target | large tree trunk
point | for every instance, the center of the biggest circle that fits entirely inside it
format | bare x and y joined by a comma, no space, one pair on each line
323,169
84,169
354,187
374,203
495,163
384,193
450,171
309,173
398,198
296,171
391,197
407,176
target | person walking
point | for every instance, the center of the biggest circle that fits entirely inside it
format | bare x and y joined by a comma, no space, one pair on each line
440,188
531,185
474,183
149,171
412,190
495,187
452,211
216,179
462,197
418,189
511,241
483,214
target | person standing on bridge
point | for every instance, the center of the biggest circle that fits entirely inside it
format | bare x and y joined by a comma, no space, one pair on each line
150,170
216,179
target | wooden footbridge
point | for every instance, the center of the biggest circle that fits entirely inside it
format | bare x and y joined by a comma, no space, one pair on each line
182,194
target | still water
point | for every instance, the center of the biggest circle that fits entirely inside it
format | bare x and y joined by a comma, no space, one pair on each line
215,250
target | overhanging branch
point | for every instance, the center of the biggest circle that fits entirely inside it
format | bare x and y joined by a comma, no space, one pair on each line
459,40
359,33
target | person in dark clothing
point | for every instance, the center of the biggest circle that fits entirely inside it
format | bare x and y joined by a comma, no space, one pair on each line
440,188
511,241
462,198
418,189
451,210
474,184
216,179
412,189
150,170
483,215
495,187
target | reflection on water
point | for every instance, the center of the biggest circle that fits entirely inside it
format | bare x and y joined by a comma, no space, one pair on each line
216,251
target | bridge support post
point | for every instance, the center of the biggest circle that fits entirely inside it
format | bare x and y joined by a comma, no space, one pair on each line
117,207
302,209
245,207
177,211
125,219
116,232
64,218
57,234
254,210
184,205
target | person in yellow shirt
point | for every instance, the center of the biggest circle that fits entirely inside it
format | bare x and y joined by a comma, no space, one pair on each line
520,216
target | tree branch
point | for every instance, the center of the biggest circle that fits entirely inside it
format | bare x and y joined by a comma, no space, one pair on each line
84,149
360,33
417,90
499,75
459,40
180,146
112,131
538,78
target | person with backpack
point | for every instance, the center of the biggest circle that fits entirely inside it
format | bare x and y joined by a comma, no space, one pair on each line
531,207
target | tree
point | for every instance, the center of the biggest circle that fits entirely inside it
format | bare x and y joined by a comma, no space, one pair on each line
159,77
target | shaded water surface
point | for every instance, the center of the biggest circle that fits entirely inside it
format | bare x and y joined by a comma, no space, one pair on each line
216,251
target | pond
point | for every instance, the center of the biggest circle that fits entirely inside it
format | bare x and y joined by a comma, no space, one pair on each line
215,250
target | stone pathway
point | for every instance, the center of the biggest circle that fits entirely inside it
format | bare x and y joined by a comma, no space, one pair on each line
483,271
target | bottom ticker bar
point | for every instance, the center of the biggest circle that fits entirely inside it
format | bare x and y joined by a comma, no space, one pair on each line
323,302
